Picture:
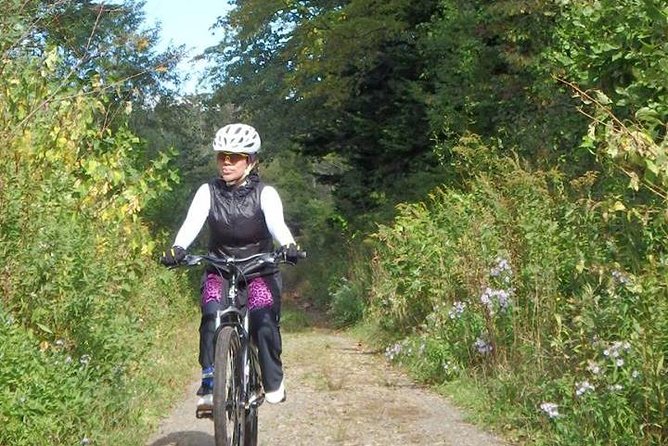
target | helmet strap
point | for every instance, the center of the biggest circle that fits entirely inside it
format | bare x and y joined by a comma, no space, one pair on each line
251,165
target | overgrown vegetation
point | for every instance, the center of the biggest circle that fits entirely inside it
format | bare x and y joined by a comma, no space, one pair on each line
537,266
87,317
535,293
433,163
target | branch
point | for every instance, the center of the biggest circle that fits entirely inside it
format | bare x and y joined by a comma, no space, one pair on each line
653,188
97,21
588,97
621,128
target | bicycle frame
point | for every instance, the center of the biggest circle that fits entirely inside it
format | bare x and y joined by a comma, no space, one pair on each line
239,318
235,315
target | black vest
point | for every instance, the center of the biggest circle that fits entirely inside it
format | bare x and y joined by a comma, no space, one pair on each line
236,222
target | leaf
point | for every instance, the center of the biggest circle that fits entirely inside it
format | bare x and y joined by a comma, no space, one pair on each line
44,328
91,166
648,115
634,181
618,206
602,98
651,165
557,317
51,59
659,366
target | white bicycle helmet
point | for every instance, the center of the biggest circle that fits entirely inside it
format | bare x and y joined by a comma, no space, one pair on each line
237,138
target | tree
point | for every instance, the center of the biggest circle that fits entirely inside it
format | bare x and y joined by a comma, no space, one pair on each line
102,46
618,48
184,128
339,79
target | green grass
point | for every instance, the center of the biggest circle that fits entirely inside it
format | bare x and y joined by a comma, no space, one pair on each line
481,409
174,368
294,319
370,333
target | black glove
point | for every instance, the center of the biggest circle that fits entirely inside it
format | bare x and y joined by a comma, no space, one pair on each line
173,256
291,253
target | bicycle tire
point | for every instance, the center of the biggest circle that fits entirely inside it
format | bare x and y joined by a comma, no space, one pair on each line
255,386
228,411
250,426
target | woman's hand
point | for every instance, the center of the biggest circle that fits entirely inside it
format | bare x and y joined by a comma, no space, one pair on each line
173,256
291,253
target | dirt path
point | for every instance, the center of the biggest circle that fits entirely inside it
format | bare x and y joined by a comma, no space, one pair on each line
338,394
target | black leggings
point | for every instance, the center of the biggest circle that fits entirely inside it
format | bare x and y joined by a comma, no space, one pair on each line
264,328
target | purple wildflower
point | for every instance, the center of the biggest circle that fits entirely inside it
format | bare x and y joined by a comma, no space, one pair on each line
490,295
457,310
502,267
482,346
393,351
620,277
594,368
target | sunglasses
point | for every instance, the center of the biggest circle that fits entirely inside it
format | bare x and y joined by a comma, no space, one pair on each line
232,157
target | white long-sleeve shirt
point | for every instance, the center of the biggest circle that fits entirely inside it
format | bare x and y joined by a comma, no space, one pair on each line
271,205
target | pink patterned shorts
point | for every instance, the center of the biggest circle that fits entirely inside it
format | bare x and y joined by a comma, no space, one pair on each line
259,294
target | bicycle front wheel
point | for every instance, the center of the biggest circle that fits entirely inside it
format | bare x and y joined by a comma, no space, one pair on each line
255,388
228,409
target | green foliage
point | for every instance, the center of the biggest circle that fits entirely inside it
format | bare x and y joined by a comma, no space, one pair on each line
346,305
294,320
512,281
337,80
84,305
373,83
613,56
308,205
487,75
110,44
618,47
183,131
310,214
38,385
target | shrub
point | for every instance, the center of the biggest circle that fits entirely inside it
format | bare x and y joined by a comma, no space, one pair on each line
84,305
516,282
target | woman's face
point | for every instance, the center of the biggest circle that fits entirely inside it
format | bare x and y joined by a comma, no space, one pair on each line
232,166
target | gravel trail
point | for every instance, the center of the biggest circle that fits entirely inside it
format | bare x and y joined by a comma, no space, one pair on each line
338,393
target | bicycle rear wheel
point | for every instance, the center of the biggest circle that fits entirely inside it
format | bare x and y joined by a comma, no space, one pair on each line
228,409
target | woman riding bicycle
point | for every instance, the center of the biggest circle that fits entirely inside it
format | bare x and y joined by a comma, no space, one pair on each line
244,217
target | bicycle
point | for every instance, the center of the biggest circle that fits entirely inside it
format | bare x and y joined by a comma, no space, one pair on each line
237,381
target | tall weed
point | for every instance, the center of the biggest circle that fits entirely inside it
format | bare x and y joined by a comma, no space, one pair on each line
525,281
85,310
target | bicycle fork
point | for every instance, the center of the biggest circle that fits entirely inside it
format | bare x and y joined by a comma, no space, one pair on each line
252,398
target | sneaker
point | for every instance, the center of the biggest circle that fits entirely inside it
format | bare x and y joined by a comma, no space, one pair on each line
207,382
277,396
205,393
205,402
205,389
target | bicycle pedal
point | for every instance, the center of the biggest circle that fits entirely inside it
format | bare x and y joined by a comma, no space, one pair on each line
256,400
203,413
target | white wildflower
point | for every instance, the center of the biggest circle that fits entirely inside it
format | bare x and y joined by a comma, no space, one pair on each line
583,388
551,409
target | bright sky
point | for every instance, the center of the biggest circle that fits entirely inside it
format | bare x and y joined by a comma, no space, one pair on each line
187,23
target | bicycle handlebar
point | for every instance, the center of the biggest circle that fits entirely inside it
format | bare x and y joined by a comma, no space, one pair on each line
244,265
